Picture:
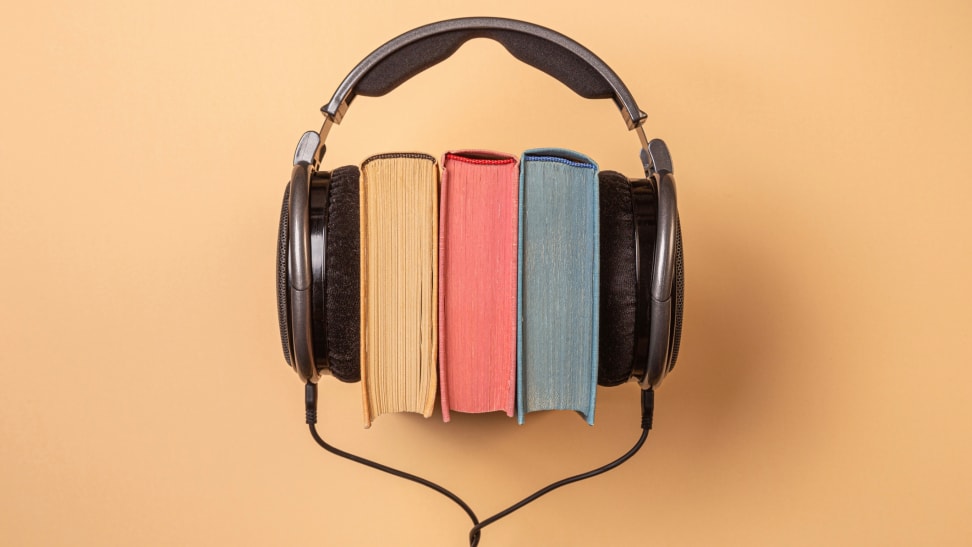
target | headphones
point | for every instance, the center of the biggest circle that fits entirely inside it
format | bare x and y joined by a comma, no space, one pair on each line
641,268
318,253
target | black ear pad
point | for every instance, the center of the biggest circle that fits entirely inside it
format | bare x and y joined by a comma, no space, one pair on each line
618,280
644,202
342,269
283,292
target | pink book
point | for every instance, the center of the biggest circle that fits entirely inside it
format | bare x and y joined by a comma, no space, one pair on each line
478,217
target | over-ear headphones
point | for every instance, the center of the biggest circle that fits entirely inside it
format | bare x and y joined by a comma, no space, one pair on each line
642,276
641,265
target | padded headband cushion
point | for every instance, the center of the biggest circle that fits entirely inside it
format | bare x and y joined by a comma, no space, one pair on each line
283,296
342,269
549,56
618,281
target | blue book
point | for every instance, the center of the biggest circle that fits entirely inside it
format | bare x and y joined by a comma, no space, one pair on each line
557,288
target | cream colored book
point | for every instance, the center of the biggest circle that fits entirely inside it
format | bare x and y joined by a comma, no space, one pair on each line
399,283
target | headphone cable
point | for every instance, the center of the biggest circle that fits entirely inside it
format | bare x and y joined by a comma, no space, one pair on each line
647,412
310,408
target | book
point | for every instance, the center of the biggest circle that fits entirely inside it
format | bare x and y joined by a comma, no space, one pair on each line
557,290
477,282
399,262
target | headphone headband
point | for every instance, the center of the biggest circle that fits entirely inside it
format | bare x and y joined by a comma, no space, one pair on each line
416,50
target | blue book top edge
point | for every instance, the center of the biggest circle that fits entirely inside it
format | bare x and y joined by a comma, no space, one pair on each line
559,160
560,155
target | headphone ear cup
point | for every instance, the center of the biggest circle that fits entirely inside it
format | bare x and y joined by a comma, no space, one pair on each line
618,279
283,290
342,271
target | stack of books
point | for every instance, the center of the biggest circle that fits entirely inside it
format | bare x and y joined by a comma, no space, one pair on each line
483,285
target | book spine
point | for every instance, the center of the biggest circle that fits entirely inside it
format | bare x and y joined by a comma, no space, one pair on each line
399,265
558,283
477,270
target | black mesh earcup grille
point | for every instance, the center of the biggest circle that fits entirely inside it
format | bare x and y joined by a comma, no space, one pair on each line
618,281
283,302
342,269
679,291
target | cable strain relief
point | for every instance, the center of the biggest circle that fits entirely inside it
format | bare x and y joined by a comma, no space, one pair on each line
647,408
310,403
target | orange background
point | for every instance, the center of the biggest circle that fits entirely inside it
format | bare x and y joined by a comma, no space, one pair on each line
822,392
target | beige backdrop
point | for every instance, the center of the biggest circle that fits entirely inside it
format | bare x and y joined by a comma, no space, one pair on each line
821,397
